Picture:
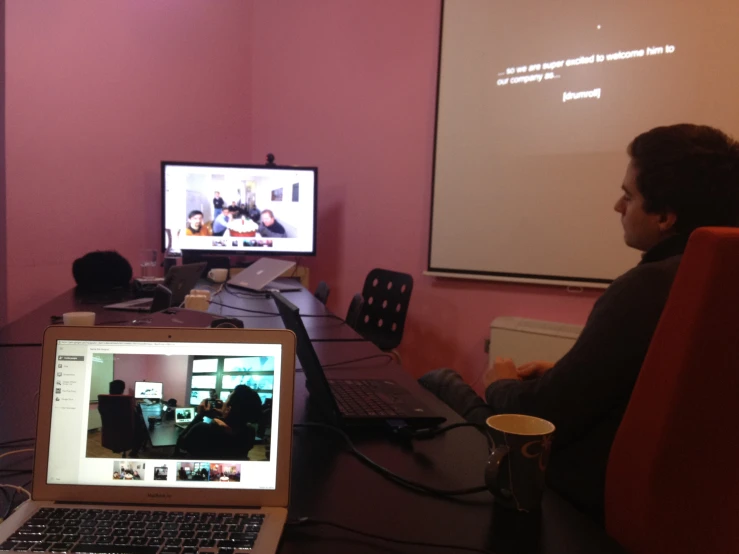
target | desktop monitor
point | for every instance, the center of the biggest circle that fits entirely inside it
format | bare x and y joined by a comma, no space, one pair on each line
239,209
145,389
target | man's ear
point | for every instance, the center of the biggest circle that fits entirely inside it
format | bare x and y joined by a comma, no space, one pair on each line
667,221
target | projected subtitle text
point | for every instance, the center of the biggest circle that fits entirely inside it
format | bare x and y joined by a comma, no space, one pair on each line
551,70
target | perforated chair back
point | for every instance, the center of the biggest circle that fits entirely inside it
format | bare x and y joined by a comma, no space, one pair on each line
386,296
322,292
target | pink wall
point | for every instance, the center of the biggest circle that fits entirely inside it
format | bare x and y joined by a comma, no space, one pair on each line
347,86
97,94
171,371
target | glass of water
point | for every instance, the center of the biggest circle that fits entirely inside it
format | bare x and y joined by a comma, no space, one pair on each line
148,263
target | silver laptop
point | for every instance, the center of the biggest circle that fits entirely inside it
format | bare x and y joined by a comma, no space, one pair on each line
180,280
183,416
169,496
263,275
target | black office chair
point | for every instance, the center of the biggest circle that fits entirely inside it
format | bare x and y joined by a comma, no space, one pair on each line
118,417
381,318
355,308
322,292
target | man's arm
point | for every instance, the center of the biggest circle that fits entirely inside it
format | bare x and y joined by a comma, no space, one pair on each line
599,372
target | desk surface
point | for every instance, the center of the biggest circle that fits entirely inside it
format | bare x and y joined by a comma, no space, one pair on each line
328,483
319,322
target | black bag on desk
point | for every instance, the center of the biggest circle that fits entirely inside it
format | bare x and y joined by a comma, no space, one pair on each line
102,271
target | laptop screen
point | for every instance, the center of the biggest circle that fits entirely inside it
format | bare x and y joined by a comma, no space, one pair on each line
214,425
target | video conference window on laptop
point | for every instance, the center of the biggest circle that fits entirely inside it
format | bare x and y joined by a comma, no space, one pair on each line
228,208
85,446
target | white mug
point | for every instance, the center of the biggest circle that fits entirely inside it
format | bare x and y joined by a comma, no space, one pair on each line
218,275
79,318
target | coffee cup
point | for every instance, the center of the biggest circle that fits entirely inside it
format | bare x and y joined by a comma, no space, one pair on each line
196,302
218,275
79,318
515,470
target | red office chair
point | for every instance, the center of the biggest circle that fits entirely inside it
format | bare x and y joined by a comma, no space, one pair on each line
672,483
118,415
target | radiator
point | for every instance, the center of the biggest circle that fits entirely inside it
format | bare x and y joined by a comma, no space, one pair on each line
525,340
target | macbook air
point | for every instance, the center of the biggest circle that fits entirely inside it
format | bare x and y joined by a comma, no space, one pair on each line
348,400
92,495
180,280
263,275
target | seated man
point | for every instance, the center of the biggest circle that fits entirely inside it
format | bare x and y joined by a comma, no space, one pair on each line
221,222
117,387
211,406
679,178
270,227
228,437
195,224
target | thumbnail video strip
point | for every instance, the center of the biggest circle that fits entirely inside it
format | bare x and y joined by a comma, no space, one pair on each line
209,471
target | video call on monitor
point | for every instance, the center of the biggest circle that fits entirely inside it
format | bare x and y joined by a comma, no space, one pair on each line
171,391
225,208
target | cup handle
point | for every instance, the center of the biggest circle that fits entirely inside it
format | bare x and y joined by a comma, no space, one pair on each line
492,467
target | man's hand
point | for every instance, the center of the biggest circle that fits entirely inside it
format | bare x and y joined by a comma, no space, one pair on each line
532,370
503,368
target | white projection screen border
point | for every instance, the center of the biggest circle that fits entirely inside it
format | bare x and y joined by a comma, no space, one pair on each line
536,104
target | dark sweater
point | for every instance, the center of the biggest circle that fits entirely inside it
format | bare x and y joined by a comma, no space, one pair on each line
586,393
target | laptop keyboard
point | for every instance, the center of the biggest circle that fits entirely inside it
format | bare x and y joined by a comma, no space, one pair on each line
98,531
357,397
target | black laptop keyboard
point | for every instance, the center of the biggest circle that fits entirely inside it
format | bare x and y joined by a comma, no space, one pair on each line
97,531
358,398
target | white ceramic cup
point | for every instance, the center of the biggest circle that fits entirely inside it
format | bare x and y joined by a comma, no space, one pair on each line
79,318
218,275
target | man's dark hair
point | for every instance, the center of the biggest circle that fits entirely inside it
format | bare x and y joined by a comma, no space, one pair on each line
246,406
117,387
691,171
101,271
193,213
269,212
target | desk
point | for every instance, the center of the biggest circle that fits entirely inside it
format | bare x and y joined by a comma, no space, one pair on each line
164,433
328,483
319,322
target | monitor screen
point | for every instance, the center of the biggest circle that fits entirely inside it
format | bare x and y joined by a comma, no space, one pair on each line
205,459
145,389
224,208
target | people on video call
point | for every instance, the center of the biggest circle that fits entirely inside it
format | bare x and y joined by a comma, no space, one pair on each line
228,436
195,224
220,224
211,406
218,203
270,227
225,215
117,387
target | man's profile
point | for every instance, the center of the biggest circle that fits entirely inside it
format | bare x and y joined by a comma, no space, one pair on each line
678,178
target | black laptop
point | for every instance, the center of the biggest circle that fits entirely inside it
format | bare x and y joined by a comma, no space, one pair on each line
180,280
353,401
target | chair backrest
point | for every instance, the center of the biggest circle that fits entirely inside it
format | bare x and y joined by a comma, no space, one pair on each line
355,308
672,483
386,295
117,413
322,292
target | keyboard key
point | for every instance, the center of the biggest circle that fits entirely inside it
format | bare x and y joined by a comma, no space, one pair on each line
122,549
